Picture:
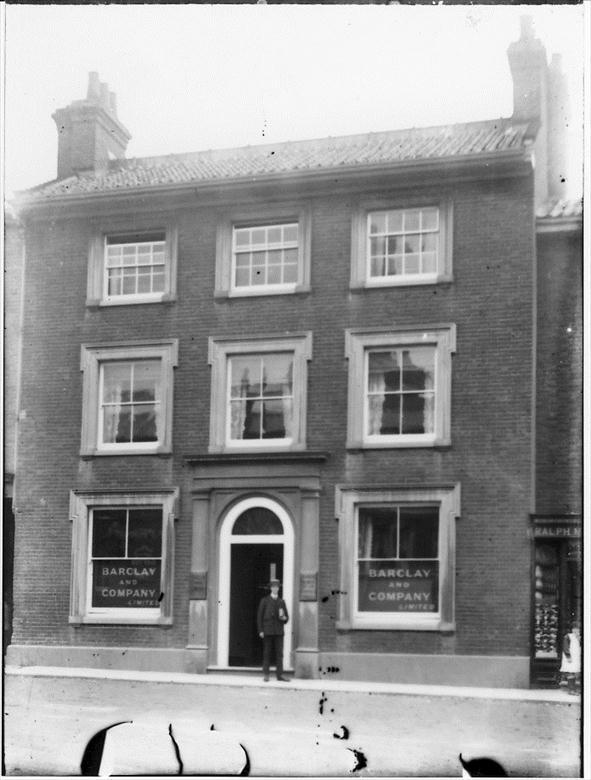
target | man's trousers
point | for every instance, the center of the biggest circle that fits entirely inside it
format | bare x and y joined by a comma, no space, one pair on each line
273,644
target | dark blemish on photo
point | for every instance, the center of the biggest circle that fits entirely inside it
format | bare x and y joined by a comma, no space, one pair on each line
361,759
212,727
246,768
344,733
160,597
93,752
483,767
177,752
321,703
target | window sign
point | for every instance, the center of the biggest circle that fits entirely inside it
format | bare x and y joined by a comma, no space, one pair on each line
398,564
398,586
126,558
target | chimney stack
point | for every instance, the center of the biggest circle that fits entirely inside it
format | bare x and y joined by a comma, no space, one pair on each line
540,98
89,132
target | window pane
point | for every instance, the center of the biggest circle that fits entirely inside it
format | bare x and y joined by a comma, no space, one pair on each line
145,533
146,380
377,532
395,221
129,282
245,373
398,586
158,281
277,375
290,273
242,277
257,520
412,221
274,274
377,265
115,282
430,219
274,235
273,420
144,281
418,372
108,533
377,223
419,528
395,265
145,423
116,382
290,233
429,262
258,236
241,237
412,244
377,245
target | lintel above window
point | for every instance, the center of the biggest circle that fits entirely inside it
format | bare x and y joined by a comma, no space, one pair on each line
132,266
263,251
406,242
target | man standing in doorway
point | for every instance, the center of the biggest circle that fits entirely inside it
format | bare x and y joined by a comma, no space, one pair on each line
271,617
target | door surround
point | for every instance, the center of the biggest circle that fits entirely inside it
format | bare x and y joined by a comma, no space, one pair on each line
226,539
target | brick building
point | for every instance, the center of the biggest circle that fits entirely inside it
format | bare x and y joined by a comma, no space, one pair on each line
315,360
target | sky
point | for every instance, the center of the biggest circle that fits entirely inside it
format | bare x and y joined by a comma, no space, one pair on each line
193,77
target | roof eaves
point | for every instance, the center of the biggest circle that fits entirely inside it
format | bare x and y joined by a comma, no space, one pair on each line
466,161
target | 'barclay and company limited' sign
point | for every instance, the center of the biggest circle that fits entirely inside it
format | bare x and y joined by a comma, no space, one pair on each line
398,586
118,583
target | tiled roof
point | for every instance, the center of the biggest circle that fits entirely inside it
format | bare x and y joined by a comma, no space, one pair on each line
560,209
371,149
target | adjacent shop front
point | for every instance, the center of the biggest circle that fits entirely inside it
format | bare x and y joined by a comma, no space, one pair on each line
557,591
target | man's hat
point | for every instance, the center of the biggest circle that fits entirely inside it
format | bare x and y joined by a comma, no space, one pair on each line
274,582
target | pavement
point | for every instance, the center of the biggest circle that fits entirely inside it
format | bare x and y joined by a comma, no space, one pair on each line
228,724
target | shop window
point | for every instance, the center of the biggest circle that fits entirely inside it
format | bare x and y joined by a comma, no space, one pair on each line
400,387
397,557
127,397
259,393
547,642
132,267
401,244
263,254
122,557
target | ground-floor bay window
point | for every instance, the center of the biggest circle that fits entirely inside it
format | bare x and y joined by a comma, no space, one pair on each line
397,550
122,557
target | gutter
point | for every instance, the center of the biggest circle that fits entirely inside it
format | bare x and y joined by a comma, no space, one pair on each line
516,161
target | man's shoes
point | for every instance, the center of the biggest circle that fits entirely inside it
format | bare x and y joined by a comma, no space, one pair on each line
282,679
266,678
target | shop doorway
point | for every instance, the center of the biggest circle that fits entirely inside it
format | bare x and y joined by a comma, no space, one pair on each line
256,544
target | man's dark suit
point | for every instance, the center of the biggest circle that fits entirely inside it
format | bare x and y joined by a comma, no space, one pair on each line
270,625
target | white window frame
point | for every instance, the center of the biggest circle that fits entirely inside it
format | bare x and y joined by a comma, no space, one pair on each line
263,217
300,344
91,359
360,259
97,289
357,345
82,504
348,500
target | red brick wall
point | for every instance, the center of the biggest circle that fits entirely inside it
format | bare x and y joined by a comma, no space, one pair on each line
490,300
559,374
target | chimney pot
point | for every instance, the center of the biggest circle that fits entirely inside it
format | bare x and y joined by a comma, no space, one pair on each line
93,86
527,28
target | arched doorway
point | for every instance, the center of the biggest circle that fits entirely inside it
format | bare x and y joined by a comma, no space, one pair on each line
256,543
